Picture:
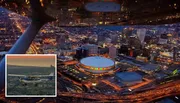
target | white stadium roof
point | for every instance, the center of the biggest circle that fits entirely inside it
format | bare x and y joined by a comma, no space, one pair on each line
97,61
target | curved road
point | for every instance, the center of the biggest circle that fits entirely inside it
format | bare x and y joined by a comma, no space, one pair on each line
171,88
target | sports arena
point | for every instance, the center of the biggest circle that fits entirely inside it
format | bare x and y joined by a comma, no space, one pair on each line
96,64
129,78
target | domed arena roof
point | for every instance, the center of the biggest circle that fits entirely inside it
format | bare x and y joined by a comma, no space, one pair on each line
97,61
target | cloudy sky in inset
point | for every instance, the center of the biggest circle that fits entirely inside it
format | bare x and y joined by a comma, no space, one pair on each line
40,61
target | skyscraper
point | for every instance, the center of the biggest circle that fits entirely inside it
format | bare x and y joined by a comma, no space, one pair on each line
163,39
114,38
112,52
100,38
78,53
85,52
174,53
92,49
141,34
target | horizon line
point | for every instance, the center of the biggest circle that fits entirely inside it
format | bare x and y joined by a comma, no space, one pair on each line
30,65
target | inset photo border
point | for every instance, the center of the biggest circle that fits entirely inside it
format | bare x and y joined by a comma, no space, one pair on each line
30,75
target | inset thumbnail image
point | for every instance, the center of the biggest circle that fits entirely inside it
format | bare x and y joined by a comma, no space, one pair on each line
31,75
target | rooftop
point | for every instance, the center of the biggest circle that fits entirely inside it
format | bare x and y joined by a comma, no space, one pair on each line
97,61
129,76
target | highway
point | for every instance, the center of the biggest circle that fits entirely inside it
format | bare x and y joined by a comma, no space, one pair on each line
158,91
112,85
171,88
147,81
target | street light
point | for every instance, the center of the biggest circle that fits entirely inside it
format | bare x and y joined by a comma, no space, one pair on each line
94,84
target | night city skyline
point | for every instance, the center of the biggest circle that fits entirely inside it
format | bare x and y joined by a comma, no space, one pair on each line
120,51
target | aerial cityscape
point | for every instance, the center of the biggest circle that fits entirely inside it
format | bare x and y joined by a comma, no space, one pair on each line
119,54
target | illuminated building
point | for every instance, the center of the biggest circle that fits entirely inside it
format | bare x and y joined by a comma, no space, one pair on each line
129,78
143,59
174,53
97,64
114,38
141,34
163,39
92,48
112,52
165,58
101,38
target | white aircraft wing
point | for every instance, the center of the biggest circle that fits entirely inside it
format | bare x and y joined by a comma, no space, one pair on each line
40,75
16,75
50,75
